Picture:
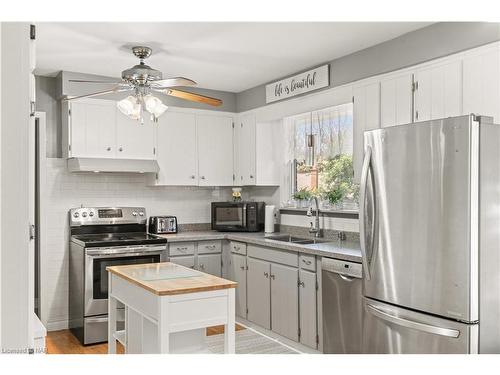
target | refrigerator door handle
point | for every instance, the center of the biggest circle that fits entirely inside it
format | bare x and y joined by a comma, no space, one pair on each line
412,324
362,196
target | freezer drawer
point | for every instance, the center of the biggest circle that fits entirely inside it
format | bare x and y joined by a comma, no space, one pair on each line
394,330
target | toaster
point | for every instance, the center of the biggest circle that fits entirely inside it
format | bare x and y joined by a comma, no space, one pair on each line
162,224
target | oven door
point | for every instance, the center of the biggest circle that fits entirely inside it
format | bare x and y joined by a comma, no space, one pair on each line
229,217
96,276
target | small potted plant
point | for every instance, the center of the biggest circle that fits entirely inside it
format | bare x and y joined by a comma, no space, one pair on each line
302,197
335,196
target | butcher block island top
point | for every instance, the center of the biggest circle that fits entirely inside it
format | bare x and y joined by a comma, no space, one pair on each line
167,278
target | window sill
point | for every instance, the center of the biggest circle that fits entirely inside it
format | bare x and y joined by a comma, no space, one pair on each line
350,214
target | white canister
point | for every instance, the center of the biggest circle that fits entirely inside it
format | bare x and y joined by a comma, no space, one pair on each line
269,218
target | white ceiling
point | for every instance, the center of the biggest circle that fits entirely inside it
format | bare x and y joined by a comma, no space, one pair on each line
222,56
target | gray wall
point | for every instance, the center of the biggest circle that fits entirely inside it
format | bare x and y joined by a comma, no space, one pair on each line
50,89
431,42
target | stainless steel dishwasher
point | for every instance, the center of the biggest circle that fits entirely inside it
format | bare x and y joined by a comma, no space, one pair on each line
342,306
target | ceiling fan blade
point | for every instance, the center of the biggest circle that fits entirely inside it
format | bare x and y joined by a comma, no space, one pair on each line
115,90
173,82
91,81
192,97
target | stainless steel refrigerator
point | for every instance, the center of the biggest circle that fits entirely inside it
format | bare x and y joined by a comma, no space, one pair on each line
430,237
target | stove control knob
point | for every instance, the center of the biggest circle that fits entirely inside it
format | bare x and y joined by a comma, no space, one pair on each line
91,213
141,213
84,214
134,213
76,215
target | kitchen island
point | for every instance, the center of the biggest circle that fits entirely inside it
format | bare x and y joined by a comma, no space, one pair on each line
168,307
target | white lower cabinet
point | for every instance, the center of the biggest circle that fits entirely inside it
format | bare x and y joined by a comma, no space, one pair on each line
308,311
238,273
259,292
285,301
186,261
210,263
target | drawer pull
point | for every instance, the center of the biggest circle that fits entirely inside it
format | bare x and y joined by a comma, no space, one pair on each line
202,266
308,262
209,246
242,268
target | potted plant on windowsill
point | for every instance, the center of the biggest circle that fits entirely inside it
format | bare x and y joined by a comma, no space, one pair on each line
334,197
302,197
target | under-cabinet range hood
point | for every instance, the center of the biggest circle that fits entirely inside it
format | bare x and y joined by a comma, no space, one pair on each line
112,165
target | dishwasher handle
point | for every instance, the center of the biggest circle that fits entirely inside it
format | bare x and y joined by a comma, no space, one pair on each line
348,271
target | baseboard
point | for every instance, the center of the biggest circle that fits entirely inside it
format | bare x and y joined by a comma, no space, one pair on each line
57,326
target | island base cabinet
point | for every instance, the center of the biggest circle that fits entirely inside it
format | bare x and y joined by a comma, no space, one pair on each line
308,310
259,292
285,301
238,273
211,263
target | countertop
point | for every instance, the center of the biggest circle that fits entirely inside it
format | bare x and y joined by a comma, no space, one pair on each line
344,250
169,279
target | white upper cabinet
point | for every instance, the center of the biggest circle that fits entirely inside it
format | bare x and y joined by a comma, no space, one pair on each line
396,98
366,116
269,154
244,150
438,91
176,149
481,81
94,128
133,139
215,150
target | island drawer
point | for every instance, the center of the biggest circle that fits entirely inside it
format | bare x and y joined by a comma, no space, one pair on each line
307,262
273,255
209,247
181,248
238,247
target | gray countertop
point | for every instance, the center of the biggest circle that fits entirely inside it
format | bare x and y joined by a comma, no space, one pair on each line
344,250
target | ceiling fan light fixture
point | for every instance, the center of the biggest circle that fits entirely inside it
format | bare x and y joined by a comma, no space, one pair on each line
130,107
154,105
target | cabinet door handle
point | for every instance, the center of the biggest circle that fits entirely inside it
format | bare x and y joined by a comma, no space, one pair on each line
272,277
301,283
202,266
242,268
120,149
266,274
251,176
202,177
108,149
193,176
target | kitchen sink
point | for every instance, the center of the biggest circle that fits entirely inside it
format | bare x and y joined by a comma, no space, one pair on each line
292,239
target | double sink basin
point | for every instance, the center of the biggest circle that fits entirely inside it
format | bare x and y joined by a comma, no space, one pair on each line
292,239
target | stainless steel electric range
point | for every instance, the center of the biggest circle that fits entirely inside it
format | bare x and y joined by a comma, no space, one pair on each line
102,237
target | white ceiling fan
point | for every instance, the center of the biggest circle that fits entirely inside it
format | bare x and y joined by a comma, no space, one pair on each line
143,80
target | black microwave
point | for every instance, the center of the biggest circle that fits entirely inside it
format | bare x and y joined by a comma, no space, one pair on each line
238,216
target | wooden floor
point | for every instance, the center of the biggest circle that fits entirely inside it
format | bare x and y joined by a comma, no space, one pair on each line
63,342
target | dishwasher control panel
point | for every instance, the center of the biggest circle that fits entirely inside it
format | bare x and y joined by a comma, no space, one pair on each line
342,267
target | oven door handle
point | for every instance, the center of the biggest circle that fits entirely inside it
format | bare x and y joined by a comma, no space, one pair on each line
121,255
111,251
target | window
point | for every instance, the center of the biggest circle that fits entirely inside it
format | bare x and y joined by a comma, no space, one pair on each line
322,143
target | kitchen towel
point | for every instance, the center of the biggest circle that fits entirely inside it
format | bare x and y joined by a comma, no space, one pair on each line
269,218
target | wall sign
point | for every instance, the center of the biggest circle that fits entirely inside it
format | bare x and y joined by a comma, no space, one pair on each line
311,80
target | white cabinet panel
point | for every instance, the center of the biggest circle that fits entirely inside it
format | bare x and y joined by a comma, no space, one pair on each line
481,84
308,311
245,147
133,139
93,129
396,100
439,91
366,113
239,274
215,150
176,149
186,261
270,154
285,301
210,263
259,292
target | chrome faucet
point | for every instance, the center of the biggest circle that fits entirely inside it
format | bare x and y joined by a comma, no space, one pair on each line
314,229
